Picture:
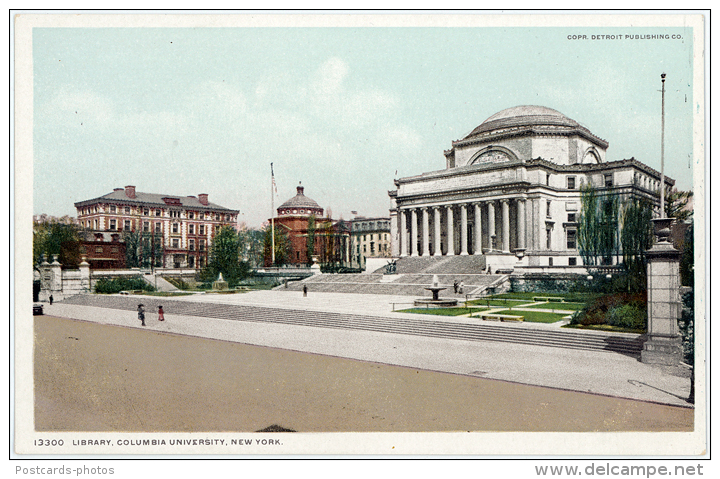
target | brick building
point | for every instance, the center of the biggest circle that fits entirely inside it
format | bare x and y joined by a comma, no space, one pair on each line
331,239
183,226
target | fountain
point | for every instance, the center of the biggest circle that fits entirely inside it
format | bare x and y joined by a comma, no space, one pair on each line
435,288
220,284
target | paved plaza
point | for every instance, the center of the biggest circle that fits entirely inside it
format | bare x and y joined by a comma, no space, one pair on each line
597,372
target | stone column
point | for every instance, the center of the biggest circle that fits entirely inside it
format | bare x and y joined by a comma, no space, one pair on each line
425,232
403,233
463,230
505,226
664,343
491,226
437,246
413,232
85,275
478,229
521,223
450,232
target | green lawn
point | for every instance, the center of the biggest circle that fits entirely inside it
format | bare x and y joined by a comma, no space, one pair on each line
499,302
563,306
535,317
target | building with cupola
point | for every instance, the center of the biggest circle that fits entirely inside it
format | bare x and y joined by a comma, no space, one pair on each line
510,191
304,222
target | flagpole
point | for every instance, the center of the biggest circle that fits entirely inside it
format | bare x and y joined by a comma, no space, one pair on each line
272,213
662,152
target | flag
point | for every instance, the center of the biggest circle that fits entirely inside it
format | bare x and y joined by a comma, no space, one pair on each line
272,174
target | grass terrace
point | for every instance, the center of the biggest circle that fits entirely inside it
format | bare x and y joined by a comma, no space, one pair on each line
535,316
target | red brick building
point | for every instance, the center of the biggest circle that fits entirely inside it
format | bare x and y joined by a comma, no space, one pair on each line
183,226
331,239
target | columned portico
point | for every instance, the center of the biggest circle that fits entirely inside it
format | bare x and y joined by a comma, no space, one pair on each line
463,230
450,230
413,232
477,249
437,249
505,226
425,233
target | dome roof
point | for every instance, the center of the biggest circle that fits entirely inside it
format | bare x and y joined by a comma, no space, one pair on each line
300,201
524,115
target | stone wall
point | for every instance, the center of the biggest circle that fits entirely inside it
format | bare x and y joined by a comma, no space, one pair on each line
556,283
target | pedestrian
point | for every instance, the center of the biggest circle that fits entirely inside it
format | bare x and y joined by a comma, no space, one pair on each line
455,286
305,290
141,313
161,314
460,288
51,300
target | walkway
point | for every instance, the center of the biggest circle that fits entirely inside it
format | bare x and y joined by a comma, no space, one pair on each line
600,372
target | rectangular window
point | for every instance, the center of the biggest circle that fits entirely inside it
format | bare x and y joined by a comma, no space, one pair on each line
571,218
98,249
572,262
146,211
127,210
113,209
202,229
571,239
158,227
175,227
146,226
175,243
191,215
548,243
191,245
549,213
114,249
157,212
191,229
571,182
113,225
127,225
201,247
608,180
547,180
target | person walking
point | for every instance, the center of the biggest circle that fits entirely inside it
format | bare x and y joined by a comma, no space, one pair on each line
141,313
304,290
51,300
161,314
455,286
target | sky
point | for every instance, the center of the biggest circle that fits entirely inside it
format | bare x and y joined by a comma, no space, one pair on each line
184,111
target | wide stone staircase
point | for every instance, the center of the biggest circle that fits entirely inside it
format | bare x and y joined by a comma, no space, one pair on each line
414,274
628,344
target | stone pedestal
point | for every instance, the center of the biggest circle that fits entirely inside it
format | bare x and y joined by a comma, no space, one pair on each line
664,343
315,268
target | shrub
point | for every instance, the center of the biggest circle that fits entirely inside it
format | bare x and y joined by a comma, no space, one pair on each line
630,316
115,285
599,310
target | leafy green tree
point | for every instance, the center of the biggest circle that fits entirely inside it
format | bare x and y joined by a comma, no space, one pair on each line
143,249
687,261
636,237
251,246
311,239
283,249
676,204
57,238
224,258
597,227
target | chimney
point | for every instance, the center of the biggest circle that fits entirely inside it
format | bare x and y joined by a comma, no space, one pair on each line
203,198
130,191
